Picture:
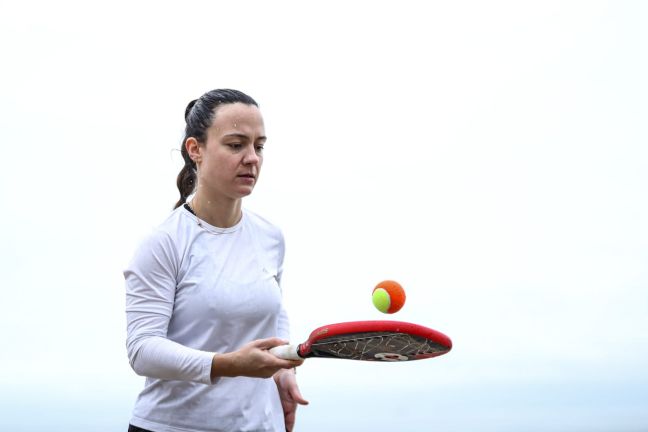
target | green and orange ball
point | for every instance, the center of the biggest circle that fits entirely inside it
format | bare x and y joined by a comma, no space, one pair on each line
388,296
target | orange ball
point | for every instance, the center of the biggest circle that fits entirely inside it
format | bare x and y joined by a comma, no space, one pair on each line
388,296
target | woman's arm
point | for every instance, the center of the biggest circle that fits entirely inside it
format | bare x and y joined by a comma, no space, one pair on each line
150,295
290,395
252,360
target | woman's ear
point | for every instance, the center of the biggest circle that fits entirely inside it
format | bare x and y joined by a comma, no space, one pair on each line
194,149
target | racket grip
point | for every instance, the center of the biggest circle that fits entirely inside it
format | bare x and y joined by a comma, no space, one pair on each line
286,352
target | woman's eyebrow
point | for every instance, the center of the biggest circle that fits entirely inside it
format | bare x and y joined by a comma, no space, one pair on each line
244,136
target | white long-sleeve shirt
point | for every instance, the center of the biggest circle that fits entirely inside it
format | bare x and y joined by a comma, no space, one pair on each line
193,290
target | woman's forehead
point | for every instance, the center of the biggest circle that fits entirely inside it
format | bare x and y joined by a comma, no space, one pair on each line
238,119
230,114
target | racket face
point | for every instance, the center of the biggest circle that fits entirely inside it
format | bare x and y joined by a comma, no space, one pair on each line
390,341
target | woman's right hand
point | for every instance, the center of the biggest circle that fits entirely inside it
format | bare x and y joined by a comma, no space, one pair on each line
252,360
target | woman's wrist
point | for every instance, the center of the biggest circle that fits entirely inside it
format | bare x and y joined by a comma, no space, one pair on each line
280,372
221,366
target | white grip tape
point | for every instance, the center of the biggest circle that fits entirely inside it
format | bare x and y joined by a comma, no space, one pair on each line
286,352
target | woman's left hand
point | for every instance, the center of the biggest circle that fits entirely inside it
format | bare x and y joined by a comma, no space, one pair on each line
290,395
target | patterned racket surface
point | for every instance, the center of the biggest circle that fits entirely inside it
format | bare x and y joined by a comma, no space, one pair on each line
375,341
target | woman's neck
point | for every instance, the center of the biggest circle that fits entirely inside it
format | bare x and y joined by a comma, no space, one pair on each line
222,213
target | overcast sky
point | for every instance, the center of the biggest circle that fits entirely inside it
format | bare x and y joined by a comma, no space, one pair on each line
490,156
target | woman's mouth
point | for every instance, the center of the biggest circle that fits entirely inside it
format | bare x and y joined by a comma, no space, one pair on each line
247,178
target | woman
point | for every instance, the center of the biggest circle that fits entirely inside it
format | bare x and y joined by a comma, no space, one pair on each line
203,300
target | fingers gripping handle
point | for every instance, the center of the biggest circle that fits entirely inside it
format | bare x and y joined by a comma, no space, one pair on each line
286,352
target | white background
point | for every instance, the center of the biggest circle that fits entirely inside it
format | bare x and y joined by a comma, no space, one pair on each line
490,156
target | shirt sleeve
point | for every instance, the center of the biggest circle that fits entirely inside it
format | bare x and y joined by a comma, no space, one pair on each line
150,293
283,323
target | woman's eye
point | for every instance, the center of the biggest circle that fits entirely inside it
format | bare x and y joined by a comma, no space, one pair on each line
235,146
259,148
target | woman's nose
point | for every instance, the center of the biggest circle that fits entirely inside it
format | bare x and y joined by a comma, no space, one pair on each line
251,156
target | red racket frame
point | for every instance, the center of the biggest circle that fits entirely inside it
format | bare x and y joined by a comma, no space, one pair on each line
340,329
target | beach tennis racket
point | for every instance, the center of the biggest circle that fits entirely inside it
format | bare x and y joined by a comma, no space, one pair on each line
390,341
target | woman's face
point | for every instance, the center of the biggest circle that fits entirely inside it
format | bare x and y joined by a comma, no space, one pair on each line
230,161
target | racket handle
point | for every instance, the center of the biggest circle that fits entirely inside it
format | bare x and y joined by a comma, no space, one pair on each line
286,352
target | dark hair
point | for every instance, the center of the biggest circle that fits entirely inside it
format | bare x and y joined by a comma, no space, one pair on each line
199,116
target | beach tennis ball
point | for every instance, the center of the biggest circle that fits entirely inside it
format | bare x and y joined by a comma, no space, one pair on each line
388,297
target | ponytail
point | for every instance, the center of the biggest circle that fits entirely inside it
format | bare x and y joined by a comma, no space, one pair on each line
186,180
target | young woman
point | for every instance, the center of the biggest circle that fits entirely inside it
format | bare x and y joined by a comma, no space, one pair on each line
203,300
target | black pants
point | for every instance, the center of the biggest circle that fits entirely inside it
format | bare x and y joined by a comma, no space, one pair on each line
132,428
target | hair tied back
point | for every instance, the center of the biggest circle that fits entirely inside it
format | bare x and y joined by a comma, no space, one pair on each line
189,107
